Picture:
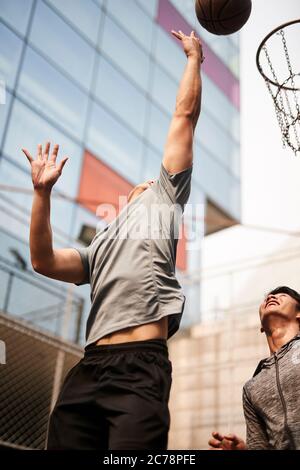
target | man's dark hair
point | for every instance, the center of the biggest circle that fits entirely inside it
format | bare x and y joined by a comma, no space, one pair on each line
286,290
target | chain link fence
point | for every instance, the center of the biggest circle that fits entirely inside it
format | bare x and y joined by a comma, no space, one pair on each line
31,374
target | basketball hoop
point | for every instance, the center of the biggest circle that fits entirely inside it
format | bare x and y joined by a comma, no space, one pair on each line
281,80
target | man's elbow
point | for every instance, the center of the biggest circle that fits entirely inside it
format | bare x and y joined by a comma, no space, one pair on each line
41,267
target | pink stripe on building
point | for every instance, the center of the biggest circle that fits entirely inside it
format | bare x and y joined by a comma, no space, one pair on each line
169,18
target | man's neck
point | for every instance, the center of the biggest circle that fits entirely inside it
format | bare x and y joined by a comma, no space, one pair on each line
279,332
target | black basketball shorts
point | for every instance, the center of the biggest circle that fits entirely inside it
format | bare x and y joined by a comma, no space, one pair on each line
115,398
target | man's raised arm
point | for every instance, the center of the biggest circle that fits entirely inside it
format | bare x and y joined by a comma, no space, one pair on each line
63,264
178,154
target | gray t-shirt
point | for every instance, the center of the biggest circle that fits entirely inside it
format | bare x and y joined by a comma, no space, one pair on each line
130,264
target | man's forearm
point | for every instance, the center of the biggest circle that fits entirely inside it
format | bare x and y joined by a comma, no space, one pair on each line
188,101
41,248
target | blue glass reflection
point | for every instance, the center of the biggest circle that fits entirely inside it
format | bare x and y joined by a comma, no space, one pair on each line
121,96
164,89
132,18
3,112
125,53
27,129
65,47
158,127
51,93
10,51
16,13
114,144
83,14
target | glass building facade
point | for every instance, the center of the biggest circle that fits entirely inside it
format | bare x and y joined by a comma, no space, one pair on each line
100,78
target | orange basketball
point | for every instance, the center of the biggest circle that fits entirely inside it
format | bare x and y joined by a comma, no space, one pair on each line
223,16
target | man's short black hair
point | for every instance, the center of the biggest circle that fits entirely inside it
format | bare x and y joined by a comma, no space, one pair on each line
286,290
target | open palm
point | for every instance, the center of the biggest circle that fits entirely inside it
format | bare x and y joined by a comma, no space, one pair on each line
44,169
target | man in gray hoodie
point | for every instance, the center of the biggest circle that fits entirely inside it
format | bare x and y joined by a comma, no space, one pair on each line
271,399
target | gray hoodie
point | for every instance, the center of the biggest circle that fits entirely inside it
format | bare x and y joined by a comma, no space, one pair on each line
271,400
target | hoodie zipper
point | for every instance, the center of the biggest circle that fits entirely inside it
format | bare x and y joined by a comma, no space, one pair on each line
286,428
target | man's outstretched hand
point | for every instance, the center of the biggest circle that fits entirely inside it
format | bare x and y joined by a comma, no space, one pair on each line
226,442
191,44
44,169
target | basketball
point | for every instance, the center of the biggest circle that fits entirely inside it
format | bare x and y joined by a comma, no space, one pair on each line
223,17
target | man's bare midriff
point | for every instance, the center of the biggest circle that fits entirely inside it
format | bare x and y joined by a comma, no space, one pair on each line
155,330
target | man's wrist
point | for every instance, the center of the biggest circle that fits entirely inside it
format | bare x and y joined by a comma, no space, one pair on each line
43,192
195,57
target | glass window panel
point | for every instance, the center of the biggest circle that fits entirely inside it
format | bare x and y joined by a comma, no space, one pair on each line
158,128
121,96
13,224
16,13
132,18
114,144
125,53
150,6
50,92
152,163
164,89
84,217
10,51
61,216
13,176
236,161
168,54
218,105
27,129
3,113
65,47
7,241
61,210
219,142
218,184
84,14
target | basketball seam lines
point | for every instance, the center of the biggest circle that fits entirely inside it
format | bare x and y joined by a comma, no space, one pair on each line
222,8
211,15
202,11
226,19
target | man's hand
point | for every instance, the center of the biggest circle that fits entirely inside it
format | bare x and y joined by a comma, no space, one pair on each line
191,44
44,170
226,442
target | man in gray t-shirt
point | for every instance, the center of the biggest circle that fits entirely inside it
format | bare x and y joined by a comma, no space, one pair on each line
130,264
117,396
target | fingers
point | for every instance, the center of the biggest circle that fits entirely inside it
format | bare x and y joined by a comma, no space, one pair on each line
217,436
46,151
214,443
39,152
28,156
232,437
62,164
176,34
54,153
